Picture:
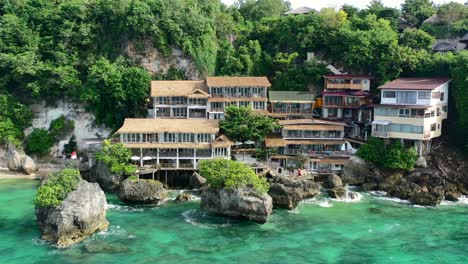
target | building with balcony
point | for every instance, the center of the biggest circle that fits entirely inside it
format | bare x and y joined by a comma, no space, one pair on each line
291,104
179,99
320,142
166,144
239,91
412,110
346,98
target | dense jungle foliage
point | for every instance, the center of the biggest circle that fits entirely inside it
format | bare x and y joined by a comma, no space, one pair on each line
78,49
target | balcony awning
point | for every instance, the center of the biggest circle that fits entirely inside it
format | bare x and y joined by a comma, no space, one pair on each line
380,122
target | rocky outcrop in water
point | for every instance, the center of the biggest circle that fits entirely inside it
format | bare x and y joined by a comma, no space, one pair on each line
197,181
287,192
28,165
441,175
101,174
245,203
183,197
142,191
80,214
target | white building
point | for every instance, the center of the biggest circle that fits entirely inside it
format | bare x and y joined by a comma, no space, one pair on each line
412,109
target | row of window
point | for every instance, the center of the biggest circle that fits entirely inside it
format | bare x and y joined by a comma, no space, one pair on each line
403,128
177,100
312,134
255,104
403,112
346,81
238,91
405,97
167,138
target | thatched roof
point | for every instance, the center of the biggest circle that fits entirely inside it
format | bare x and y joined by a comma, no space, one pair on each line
143,125
233,81
221,142
179,88
167,145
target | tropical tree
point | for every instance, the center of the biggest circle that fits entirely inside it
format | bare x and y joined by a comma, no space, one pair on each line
242,124
417,10
116,156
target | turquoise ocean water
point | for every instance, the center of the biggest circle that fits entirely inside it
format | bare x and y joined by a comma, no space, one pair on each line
373,230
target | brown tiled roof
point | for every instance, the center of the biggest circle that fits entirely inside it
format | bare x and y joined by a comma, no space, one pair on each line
415,83
147,125
233,99
178,88
314,127
167,145
233,81
310,121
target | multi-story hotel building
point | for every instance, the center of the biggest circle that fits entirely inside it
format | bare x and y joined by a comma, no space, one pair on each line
412,110
168,144
320,141
346,98
207,98
291,104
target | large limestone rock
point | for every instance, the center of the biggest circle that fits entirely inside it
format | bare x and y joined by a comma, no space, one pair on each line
197,181
404,190
101,174
287,192
183,197
429,198
142,191
13,158
28,165
245,203
421,162
80,214
334,181
356,171
337,193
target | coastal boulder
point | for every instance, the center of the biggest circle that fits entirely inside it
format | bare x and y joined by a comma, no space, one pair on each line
197,181
287,192
337,193
80,214
432,198
451,192
183,197
13,158
246,203
142,191
404,190
334,181
356,171
28,165
101,174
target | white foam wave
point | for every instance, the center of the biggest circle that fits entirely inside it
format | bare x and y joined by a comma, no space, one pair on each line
193,216
393,199
320,202
124,208
357,199
463,200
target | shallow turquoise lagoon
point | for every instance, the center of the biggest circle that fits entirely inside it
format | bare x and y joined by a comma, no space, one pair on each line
373,230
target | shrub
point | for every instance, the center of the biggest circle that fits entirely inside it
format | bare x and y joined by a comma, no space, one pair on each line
116,156
222,173
9,133
133,178
39,142
70,146
60,127
394,156
57,187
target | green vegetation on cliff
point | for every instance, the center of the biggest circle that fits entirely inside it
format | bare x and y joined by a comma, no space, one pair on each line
80,49
56,187
116,156
393,156
222,173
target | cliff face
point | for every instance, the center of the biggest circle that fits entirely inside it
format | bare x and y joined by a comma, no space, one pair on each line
154,61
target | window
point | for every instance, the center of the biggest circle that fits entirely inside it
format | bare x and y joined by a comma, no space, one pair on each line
163,100
333,100
406,97
432,113
424,95
404,112
180,112
204,138
438,111
389,94
406,128
169,137
444,108
358,81
438,126
259,105
442,96
433,127
386,111
332,112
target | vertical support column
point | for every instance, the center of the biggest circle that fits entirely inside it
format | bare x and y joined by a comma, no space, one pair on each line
188,116
194,158
177,158
141,157
157,156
